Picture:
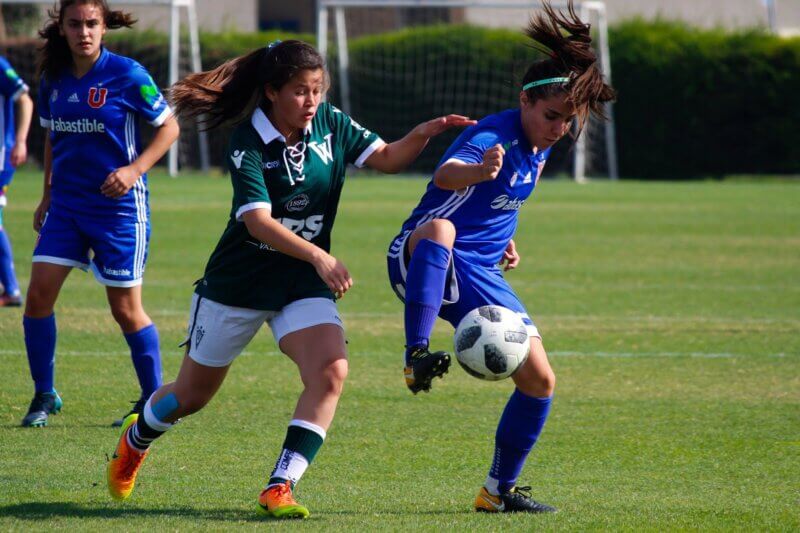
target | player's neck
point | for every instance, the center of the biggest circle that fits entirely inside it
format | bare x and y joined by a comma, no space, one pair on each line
83,64
290,133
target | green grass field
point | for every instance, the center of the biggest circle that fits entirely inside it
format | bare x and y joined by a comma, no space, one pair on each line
671,313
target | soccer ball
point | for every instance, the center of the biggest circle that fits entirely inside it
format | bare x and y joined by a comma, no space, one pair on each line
491,342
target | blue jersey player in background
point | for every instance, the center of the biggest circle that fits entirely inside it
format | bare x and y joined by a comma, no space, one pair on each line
446,260
94,212
16,108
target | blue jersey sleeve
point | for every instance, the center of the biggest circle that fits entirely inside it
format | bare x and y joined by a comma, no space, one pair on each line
142,96
11,85
473,148
43,104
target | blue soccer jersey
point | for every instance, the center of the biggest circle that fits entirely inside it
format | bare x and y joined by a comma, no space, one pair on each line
11,87
94,130
485,214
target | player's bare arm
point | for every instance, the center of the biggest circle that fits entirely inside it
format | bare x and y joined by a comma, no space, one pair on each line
454,174
266,229
24,111
119,182
394,157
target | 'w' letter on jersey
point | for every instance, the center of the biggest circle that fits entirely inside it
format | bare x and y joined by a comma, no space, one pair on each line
324,151
97,97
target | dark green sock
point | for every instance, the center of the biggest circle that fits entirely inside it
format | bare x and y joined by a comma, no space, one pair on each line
299,449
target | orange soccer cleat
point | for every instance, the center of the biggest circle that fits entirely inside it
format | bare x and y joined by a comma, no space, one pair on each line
124,464
277,501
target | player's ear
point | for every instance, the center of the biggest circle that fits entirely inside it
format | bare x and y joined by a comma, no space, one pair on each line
523,99
270,93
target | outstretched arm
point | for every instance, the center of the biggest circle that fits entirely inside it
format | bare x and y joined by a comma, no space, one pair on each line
394,157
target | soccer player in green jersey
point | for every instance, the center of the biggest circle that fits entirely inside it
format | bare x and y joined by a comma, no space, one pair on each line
287,158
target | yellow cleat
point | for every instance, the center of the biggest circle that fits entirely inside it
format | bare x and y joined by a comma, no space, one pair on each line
278,502
124,464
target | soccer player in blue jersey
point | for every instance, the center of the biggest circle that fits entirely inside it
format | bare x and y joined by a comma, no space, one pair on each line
446,260
288,158
16,108
95,188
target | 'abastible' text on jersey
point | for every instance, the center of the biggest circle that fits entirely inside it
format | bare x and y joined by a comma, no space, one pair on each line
485,214
300,184
94,129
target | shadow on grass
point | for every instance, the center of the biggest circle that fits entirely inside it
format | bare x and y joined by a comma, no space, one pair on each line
48,510
45,510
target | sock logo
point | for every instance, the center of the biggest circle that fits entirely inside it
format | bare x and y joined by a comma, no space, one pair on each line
97,97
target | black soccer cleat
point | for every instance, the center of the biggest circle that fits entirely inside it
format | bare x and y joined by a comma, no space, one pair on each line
424,367
138,408
42,406
516,500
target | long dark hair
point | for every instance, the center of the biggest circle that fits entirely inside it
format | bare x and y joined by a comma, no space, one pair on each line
566,39
54,53
230,92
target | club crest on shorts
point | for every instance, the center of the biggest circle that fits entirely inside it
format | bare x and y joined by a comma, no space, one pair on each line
97,97
198,336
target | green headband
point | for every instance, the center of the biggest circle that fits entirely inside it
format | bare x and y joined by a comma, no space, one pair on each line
545,81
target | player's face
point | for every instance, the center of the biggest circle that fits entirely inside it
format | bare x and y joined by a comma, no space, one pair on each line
83,26
546,120
295,104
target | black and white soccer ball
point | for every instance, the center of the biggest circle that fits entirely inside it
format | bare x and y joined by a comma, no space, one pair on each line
491,342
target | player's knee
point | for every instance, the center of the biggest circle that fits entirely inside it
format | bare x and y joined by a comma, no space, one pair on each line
539,384
443,231
330,380
38,301
129,318
439,230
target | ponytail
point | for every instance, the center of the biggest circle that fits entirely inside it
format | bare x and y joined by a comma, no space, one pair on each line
54,53
567,40
230,92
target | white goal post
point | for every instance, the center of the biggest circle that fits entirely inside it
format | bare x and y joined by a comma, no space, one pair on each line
174,57
593,12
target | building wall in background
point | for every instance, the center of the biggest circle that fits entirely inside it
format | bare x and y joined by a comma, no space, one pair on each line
706,13
212,15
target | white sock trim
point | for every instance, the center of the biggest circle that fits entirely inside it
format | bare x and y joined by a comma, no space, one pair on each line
491,485
152,420
309,426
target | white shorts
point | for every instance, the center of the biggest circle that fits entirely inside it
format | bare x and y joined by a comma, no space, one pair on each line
218,333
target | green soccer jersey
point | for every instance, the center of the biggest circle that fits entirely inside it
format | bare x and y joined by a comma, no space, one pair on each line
300,184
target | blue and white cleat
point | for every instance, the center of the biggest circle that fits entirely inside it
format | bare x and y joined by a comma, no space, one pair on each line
42,406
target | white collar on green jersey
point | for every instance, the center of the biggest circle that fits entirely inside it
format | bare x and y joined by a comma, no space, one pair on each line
266,130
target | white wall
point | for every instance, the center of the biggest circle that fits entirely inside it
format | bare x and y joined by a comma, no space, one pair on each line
212,15
729,13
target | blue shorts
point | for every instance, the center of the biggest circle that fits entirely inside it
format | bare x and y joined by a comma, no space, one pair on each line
468,285
118,246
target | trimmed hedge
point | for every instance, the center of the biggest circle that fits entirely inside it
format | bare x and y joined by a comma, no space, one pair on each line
698,103
692,103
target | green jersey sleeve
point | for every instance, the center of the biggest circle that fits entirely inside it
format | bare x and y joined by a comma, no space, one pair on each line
244,162
355,141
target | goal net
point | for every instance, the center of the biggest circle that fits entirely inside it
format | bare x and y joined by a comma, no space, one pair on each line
395,63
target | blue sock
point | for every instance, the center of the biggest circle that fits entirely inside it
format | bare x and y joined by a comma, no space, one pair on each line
519,427
425,281
40,343
146,356
7,277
